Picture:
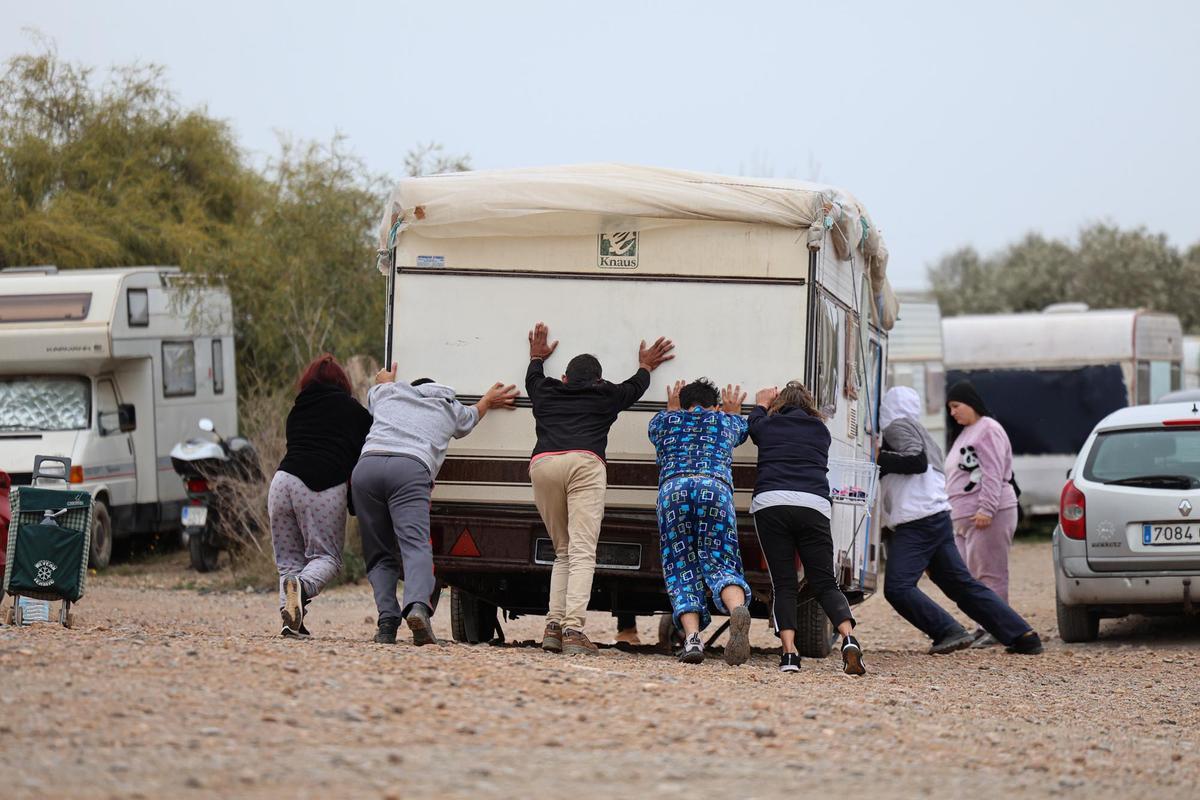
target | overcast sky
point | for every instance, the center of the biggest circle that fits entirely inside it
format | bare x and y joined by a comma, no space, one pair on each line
954,123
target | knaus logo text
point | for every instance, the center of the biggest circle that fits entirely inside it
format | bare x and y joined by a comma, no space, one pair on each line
44,572
619,250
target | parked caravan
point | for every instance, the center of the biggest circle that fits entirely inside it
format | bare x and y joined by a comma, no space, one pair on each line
110,368
1049,377
915,356
756,281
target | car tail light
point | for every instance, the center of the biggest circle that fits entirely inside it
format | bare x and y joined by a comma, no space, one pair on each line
1072,512
1182,423
197,485
76,475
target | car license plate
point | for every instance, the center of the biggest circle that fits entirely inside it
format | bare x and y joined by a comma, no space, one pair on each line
1170,534
194,516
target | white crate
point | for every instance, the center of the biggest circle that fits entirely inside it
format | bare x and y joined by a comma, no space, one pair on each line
853,481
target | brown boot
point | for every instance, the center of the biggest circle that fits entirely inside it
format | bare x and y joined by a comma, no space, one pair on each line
575,643
552,639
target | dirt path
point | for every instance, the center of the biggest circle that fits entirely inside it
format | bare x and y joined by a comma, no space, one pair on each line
185,693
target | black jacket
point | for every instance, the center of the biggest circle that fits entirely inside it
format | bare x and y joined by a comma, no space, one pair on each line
325,432
793,451
578,417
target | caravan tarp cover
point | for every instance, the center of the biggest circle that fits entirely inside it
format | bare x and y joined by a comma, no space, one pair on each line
601,198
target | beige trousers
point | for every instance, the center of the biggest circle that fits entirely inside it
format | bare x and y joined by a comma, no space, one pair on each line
568,489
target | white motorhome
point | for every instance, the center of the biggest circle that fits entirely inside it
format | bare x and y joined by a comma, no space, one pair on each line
915,356
1049,377
756,281
110,368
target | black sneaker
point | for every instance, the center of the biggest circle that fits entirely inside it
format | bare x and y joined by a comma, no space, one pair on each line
693,650
789,662
420,625
852,657
737,650
1027,644
955,640
386,632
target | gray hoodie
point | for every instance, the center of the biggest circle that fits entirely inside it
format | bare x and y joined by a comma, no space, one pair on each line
416,421
907,498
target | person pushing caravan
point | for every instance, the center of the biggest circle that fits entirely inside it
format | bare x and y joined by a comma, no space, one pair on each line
572,417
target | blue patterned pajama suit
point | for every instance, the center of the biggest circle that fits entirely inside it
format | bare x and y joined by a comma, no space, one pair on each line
697,522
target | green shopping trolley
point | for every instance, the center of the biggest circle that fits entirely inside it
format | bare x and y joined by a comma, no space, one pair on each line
48,542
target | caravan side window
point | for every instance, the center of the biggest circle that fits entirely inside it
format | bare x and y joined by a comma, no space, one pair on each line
179,369
828,361
138,303
218,366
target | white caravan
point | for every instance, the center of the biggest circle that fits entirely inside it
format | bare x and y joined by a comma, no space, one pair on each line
756,281
1049,377
915,357
110,368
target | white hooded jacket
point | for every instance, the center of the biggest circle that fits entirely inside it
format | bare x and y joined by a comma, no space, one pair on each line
907,498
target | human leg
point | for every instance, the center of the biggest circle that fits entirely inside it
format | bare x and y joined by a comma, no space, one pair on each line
989,549
977,601
681,566
323,525
369,483
910,550
721,562
550,496
779,549
287,542
814,543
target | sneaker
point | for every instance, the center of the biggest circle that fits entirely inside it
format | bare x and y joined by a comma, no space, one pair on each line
737,651
693,650
293,606
292,633
955,640
575,643
552,638
420,625
852,657
385,633
629,636
1027,644
987,640
789,662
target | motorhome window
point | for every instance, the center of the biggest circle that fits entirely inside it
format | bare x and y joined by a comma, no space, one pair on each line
1160,379
138,301
1165,453
44,307
106,407
179,369
828,361
218,366
1176,377
45,403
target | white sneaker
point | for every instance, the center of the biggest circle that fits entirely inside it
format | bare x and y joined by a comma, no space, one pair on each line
693,650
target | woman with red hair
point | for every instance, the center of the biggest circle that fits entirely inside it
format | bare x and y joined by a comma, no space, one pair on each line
307,502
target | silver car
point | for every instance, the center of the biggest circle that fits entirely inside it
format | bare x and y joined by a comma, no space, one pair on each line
1128,538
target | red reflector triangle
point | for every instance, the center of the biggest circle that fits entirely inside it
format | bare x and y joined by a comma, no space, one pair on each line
465,546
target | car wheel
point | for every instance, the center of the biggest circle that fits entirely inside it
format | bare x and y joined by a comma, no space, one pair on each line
203,555
1076,623
100,551
814,631
472,620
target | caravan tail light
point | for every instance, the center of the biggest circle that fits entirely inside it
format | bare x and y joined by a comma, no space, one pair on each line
1072,514
197,485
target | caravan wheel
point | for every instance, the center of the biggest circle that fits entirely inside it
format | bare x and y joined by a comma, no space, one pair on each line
814,631
100,552
472,620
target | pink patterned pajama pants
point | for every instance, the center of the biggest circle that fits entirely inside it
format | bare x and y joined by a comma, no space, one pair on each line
308,532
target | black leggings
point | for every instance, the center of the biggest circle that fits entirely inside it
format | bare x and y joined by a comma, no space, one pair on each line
784,531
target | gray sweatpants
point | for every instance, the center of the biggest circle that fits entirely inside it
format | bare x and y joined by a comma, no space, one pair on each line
391,499
308,532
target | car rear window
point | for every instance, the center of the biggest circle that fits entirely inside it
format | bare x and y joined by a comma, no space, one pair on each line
1157,458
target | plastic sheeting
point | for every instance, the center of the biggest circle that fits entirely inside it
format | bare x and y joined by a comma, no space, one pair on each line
600,198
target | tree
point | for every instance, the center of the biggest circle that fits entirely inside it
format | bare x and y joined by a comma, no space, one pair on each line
1107,268
431,159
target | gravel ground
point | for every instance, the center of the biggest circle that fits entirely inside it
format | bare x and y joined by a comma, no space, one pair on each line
187,692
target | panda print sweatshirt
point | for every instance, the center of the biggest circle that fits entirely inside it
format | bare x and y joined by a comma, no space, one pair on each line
978,467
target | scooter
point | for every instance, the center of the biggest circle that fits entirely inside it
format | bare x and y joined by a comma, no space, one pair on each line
201,463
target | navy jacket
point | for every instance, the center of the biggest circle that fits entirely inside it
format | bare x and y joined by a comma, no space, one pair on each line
793,452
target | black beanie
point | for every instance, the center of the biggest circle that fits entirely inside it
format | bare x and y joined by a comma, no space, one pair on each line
963,392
